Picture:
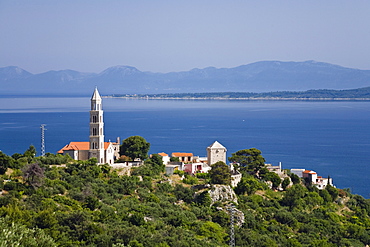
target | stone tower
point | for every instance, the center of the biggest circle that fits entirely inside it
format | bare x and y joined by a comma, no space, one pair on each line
216,152
96,128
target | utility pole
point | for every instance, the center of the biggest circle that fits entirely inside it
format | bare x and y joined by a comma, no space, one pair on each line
43,139
232,235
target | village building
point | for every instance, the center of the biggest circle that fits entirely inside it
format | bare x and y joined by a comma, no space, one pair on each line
104,152
313,178
215,153
165,158
183,157
277,169
297,172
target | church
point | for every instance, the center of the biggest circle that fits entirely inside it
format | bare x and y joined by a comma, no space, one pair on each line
104,152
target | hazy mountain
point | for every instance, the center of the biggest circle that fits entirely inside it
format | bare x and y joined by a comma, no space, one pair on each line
265,76
13,73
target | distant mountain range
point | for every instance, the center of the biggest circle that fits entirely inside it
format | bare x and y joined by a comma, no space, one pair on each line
265,76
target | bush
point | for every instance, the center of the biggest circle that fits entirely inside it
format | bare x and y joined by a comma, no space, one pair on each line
202,175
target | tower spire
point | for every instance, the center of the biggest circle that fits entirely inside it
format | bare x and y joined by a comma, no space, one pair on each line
96,128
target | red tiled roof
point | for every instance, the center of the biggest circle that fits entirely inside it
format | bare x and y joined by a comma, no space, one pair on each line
163,154
310,172
182,154
106,145
80,146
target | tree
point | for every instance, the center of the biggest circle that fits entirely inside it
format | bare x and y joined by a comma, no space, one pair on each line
250,160
274,178
332,191
293,195
220,173
248,185
135,147
295,179
5,162
285,183
16,234
34,175
156,163
30,152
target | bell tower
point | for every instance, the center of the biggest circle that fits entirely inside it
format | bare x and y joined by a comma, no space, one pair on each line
216,152
96,128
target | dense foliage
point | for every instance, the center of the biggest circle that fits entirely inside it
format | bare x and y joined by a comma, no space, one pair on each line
220,173
135,147
84,204
249,160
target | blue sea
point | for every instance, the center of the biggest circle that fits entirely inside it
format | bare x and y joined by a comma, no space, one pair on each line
331,138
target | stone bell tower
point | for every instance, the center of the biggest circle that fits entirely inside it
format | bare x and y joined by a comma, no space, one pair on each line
216,152
96,128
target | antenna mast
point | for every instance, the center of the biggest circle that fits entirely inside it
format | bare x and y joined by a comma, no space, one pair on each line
43,139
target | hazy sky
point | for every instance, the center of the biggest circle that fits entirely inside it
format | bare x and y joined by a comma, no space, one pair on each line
163,36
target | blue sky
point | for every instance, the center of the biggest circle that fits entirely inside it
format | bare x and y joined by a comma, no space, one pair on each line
164,36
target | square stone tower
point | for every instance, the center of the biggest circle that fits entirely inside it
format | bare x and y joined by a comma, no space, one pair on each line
216,152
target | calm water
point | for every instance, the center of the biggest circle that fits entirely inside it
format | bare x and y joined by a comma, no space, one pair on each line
332,138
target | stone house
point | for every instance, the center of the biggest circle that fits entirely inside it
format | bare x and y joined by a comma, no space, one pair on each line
183,157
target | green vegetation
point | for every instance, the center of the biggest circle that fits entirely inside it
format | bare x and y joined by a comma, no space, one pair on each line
135,147
249,160
85,204
322,94
220,173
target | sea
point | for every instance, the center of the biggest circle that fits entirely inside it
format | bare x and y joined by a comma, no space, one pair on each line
330,137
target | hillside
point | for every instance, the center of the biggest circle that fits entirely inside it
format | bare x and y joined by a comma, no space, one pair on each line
83,204
265,76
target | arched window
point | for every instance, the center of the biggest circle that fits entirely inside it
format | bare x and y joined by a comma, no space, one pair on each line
101,131
94,132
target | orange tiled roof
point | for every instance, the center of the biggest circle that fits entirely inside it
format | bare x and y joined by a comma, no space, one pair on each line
80,146
106,145
310,172
75,146
163,154
182,154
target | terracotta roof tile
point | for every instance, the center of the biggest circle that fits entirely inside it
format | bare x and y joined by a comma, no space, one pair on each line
182,154
80,146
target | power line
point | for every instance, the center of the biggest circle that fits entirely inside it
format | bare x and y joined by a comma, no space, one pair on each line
232,234
43,139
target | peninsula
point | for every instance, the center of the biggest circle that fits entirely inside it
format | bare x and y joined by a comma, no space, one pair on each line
360,94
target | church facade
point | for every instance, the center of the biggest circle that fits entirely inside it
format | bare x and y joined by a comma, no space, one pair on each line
104,152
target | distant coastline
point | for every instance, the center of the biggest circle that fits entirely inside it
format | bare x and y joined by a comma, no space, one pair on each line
241,99
361,94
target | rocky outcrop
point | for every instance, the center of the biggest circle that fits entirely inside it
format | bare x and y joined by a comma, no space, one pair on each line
222,193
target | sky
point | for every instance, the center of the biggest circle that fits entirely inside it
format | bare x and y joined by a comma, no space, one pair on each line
165,36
